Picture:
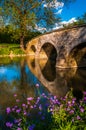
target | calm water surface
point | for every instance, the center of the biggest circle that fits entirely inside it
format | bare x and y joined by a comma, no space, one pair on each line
20,76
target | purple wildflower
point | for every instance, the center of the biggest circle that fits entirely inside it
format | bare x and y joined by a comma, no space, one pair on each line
84,93
28,103
37,85
17,120
17,100
47,104
57,102
19,128
69,104
43,94
15,106
13,109
38,99
18,110
15,95
82,109
72,119
31,127
19,123
30,98
78,118
40,107
23,105
42,117
26,106
73,100
35,106
55,97
39,112
31,106
25,113
84,98
51,109
71,111
8,110
9,124
68,109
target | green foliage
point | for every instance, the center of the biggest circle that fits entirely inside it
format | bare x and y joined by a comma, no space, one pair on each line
71,114
9,34
82,19
6,49
24,15
49,113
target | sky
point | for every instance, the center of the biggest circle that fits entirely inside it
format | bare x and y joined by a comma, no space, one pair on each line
70,12
73,10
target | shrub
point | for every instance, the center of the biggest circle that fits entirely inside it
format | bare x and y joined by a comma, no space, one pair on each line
6,49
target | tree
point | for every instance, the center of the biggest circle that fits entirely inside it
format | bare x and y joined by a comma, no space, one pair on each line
1,20
26,14
79,21
82,19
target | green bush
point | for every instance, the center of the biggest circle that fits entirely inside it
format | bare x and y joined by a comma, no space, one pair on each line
6,49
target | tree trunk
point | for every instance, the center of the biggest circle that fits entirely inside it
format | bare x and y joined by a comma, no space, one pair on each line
22,43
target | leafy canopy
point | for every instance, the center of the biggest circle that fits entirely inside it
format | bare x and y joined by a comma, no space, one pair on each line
26,13
23,15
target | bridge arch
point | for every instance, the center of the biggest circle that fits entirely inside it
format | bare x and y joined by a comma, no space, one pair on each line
49,50
78,52
72,56
45,44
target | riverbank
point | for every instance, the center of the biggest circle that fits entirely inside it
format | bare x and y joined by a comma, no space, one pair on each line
14,50
10,50
13,55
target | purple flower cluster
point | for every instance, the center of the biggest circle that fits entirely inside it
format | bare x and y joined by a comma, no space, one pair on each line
72,110
9,124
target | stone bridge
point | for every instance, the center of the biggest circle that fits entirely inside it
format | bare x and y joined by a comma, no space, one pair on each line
67,45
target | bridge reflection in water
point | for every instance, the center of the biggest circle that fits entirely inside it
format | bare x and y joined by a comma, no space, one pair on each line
57,81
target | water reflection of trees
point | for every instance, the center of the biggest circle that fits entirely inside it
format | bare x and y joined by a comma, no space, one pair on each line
19,84
56,81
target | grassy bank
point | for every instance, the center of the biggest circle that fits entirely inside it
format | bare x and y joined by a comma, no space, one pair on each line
10,49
